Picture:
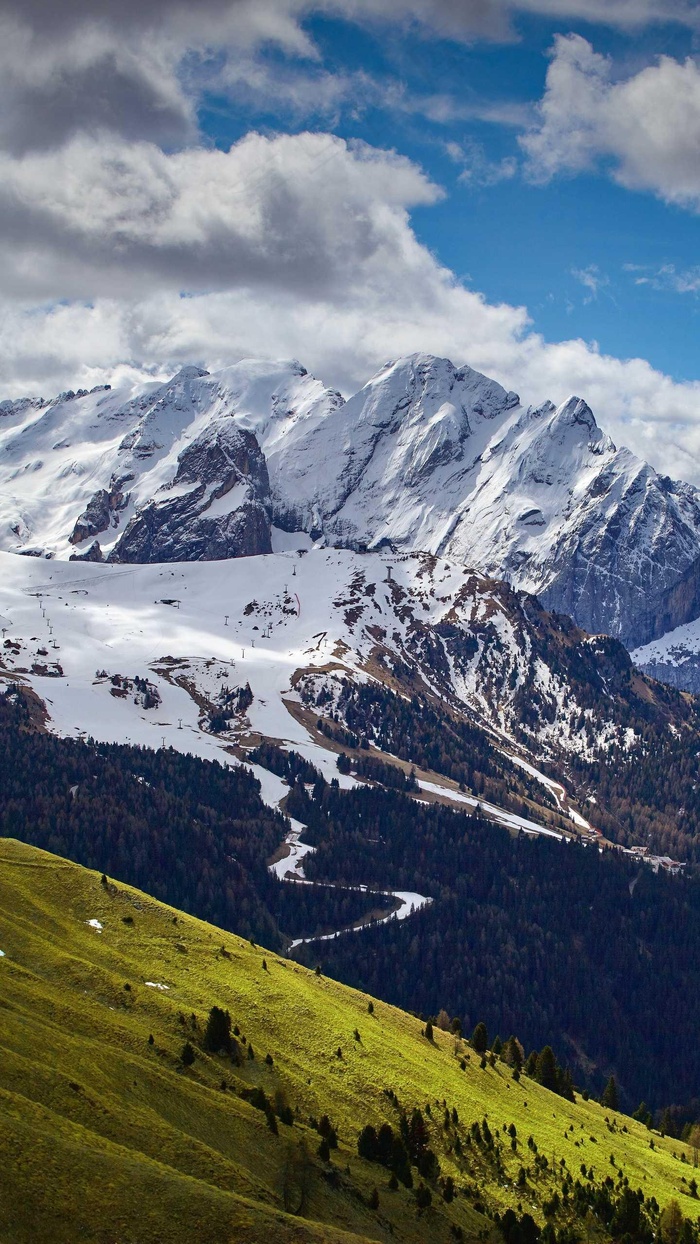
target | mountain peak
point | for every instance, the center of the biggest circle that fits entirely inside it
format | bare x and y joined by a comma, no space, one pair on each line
426,456
189,372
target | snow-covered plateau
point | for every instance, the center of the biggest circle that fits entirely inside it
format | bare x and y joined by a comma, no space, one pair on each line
426,457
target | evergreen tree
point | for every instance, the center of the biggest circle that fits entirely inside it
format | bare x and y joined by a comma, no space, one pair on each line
610,1097
217,1034
424,1197
565,1087
513,1053
480,1039
546,1069
671,1223
187,1056
643,1114
367,1144
399,1162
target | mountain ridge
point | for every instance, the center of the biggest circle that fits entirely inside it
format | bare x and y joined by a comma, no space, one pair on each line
425,457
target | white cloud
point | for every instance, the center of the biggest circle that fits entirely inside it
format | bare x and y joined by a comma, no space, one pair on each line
460,18
667,277
477,168
625,14
121,65
645,128
305,212
294,245
592,279
138,69
320,262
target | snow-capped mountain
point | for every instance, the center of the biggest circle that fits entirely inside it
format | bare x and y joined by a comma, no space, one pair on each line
426,457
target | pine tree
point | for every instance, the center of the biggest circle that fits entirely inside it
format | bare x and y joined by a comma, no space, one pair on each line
480,1039
566,1085
643,1114
610,1098
546,1069
217,1035
367,1144
671,1223
424,1197
187,1056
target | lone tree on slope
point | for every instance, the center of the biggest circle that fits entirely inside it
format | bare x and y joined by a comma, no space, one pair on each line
480,1039
610,1097
217,1035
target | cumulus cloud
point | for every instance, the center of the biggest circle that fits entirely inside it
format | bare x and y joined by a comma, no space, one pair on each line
353,290
645,127
135,69
139,69
127,249
279,19
305,213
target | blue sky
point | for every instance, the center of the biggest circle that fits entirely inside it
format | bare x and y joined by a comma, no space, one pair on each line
504,182
582,253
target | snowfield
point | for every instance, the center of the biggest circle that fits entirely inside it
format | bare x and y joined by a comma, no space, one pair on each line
146,654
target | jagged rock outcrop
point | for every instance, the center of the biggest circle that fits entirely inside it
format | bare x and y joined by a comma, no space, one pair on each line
91,554
215,508
102,508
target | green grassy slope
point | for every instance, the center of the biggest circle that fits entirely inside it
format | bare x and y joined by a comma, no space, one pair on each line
105,1137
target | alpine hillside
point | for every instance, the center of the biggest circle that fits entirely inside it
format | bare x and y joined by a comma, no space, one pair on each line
188,1082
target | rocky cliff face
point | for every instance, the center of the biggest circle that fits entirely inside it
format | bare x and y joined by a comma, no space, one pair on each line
426,456
216,507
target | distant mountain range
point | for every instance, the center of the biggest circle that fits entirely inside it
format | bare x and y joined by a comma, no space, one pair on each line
425,457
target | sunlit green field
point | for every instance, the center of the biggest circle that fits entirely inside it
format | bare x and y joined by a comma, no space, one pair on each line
106,1136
